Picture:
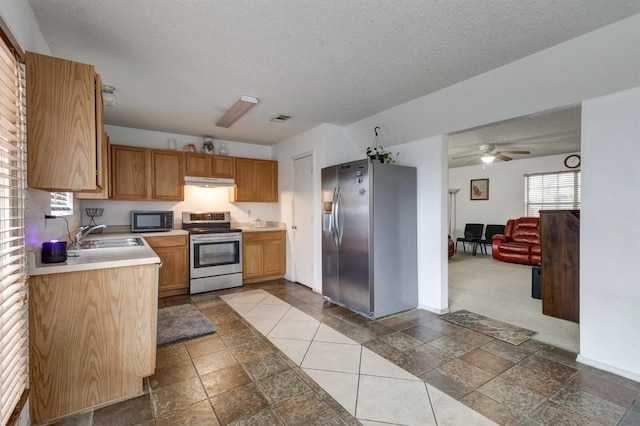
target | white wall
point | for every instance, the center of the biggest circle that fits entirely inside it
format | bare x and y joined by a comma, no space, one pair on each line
506,190
609,234
429,156
151,139
18,16
195,199
329,145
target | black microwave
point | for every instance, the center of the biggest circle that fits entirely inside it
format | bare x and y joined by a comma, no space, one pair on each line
151,220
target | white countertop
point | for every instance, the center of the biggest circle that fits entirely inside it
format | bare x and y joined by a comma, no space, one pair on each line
269,226
103,258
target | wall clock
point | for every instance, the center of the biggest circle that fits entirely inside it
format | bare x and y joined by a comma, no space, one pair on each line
572,161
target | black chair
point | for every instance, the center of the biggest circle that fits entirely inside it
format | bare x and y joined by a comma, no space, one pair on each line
488,233
472,234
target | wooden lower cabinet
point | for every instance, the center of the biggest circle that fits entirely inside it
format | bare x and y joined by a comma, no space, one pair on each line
173,251
92,338
263,255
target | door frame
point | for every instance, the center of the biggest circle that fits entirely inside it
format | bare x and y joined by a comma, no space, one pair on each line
314,246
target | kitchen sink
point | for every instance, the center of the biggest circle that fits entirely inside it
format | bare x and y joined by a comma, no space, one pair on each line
112,243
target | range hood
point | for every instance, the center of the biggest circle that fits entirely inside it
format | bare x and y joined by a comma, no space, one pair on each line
209,182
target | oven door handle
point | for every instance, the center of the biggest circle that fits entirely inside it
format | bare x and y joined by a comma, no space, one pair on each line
215,239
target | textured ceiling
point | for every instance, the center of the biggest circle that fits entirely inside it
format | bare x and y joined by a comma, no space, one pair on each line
546,133
178,65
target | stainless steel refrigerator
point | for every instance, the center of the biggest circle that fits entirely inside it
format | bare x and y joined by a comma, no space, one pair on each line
369,243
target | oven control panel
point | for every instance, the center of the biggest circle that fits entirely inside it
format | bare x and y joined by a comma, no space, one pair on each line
206,217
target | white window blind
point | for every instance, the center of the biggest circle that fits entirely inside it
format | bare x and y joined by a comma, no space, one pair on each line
62,203
13,287
551,191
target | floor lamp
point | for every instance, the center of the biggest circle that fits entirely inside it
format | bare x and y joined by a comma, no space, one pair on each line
452,209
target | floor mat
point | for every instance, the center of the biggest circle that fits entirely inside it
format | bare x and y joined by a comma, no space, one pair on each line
182,322
494,328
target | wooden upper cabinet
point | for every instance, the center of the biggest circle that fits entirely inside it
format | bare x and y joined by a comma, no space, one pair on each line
129,171
167,177
104,155
64,127
256,180
146,174
206,165
198,165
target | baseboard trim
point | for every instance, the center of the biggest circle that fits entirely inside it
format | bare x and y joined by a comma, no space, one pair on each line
434,310
609,368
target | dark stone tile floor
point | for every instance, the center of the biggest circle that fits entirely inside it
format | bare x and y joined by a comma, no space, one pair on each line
237,377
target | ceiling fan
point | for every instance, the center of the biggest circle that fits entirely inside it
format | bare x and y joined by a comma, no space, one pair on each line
488,153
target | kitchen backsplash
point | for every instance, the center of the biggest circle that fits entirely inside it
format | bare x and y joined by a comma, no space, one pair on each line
195,199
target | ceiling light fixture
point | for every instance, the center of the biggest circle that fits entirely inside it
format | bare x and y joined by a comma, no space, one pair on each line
487,160
237,110
108,95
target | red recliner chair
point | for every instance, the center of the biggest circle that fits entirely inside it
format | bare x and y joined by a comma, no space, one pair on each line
520,242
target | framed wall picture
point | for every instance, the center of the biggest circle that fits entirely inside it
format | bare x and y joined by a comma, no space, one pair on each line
479,189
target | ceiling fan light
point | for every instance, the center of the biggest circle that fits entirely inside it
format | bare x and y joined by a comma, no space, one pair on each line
487,159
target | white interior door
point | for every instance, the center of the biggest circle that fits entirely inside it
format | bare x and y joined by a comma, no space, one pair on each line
302,227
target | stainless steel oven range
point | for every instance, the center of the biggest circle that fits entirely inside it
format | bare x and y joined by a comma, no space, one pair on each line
215,251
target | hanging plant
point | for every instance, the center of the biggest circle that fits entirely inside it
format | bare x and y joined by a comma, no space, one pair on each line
376,152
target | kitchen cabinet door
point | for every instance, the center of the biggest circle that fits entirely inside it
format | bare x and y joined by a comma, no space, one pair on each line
256,180
173,251
167,177
65,129
223,167
198,165
252,259
104,158
206,165
129,173
273,259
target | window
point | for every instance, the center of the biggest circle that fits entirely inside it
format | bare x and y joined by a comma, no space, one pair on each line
551,191
13,288
62,203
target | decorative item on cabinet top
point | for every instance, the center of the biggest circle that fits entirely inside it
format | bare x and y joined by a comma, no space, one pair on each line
207,145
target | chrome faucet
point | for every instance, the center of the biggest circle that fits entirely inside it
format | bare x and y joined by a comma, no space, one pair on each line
83,231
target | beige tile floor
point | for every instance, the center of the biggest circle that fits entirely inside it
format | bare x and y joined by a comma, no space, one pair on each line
369,387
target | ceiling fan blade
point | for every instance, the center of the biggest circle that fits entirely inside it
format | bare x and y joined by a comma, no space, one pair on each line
471,159
465,156
513,152
503,157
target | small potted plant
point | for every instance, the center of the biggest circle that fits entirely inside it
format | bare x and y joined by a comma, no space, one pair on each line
376,152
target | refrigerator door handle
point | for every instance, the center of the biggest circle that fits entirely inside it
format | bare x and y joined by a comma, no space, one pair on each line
339,230
334,220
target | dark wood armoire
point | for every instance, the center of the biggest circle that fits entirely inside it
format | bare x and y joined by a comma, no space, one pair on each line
560,263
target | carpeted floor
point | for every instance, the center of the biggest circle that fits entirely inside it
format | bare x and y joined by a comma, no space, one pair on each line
182,322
